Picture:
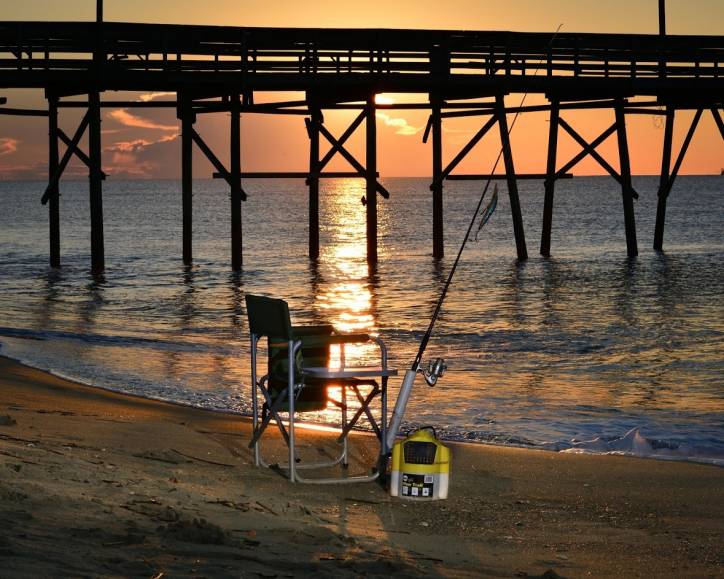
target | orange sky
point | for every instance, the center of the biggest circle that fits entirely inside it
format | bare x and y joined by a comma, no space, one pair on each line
144,143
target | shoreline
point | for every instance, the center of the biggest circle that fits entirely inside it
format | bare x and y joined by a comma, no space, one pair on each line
583,450
108,484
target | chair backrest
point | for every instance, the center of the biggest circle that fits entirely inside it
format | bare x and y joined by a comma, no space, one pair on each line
268,317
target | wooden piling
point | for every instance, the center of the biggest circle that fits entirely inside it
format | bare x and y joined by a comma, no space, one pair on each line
313,181
671,176
96,182
664,180
371,177
54,199
235,172
550,181
518,230
438,239
187,122
626,187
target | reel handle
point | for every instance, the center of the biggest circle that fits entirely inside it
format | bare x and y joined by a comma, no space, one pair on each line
435,369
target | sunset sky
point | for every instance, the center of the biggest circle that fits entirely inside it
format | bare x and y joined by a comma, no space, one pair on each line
145,143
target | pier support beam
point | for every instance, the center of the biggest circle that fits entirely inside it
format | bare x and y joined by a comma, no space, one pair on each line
187,121
550,182
232,175
626,188
667,178
96,182
369,173
54,198
313,180
664,180
512,181
371,177
438,235
235,174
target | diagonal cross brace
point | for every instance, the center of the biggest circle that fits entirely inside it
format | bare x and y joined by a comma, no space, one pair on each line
465,150
55,177
666,189
337,146
584,152
218,165
341,141
590,149
719,122
428,128
77,150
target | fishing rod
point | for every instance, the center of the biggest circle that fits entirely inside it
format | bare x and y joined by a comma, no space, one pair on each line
436,368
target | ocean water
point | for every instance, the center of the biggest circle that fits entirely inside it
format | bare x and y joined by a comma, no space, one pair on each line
585,351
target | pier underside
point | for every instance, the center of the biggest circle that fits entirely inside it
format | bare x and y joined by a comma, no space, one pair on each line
222,69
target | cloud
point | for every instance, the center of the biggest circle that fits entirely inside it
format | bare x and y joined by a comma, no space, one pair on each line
402,126
8,145
38,171
23,172
137,145
143,158
130,120
149,96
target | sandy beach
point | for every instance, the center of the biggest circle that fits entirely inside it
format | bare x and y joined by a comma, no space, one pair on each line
98,484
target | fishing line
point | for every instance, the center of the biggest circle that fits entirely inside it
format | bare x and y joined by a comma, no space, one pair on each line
443,294
437,367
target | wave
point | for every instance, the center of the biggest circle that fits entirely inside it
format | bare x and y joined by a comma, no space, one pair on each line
633,443
112,340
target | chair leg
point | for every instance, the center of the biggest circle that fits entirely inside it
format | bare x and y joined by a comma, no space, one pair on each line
363,409
384,450
290,396
270,411
254,402
345,448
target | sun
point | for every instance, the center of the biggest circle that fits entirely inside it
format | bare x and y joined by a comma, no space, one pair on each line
381,99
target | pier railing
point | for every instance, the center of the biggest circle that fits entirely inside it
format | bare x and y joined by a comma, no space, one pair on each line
120,55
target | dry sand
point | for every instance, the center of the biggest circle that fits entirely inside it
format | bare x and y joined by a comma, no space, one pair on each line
99,484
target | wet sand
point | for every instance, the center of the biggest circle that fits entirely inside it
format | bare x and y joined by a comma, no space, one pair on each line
99,484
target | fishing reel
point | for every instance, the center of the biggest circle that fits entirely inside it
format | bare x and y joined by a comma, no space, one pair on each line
435,369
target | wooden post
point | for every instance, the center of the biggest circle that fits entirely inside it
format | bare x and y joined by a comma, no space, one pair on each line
662,35
550,182
626,189
438,239
662,17
187,122
54,199
235,172
313,181
664,180
511,179
96,182
371,171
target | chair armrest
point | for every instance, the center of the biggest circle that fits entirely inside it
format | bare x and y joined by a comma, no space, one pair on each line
348,338
320,330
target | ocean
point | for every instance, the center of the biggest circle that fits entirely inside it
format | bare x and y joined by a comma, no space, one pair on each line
587,351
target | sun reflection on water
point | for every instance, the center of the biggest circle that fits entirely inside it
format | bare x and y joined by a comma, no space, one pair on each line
346,300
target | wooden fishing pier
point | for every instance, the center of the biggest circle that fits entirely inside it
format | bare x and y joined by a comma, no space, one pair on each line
221,69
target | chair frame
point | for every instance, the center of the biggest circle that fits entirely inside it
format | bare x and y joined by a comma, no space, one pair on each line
272,406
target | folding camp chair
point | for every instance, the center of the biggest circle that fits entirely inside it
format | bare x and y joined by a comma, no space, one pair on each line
298,379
